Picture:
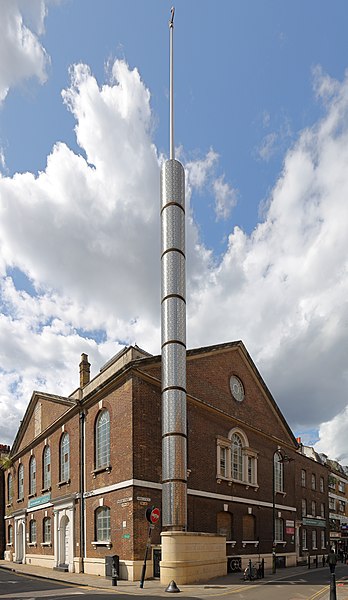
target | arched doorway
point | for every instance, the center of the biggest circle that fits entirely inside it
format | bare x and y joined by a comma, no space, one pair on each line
20,544
64,539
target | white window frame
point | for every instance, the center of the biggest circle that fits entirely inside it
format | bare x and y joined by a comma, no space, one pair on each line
304,539
278,475
304,507
21,482
314,482
102,440
32,531
47,530
322,539
64,458
32,476
321,484
279,529
46,468
102,525
314,539
303,478
247,459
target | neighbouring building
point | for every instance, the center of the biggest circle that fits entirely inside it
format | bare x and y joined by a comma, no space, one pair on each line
85,468
4,463
338,505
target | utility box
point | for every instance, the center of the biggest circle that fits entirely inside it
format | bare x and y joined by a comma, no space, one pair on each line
112,566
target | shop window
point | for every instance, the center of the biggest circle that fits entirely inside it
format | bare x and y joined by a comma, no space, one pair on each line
102,440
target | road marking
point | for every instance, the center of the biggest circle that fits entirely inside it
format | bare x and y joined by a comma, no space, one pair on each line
43,594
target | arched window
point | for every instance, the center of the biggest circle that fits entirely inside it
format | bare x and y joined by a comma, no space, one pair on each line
237,457
47,530
20,482
9,488
278,472
102,524
32,476
64,466
248,527
46,468
102,440
32,532
279,530
10,535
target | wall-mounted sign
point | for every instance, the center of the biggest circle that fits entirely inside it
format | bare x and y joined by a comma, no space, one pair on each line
123,500
40,500
314,522
289,523
126,536
143,499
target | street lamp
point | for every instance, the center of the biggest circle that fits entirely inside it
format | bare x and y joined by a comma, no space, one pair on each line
278,458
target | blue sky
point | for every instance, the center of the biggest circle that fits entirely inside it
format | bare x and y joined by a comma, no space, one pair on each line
260,126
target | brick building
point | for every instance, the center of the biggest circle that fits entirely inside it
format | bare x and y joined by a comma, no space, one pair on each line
86,467
338,504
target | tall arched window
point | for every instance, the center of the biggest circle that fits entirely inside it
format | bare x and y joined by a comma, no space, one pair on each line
64,465
102,524
237,457
278,472
102,440
9,488
46,468
47,530
32,532
32,476
20,482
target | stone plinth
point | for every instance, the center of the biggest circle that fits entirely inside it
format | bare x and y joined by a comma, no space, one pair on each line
189,557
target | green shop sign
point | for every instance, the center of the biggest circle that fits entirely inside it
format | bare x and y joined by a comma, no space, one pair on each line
40,500
314,522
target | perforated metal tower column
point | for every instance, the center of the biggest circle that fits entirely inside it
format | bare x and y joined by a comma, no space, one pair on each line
173,321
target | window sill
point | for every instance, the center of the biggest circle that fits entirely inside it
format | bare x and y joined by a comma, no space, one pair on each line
96,472
46,544
20,499
32,495
9,505
61,483
250,543
229,481
108,545
280,543
280,493
32,544
9,544
46,490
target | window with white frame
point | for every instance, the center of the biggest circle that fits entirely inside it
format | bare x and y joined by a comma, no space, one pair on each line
46,471
20,482
341,486
32,476
341,506
332,503
321,483
314,508
102,440
304,539
9,488
10,535
32,532
314,539
64,458
322,539
322,509
279,530
47,530
235,459
314,482
278,472
102,524
304,507
303,478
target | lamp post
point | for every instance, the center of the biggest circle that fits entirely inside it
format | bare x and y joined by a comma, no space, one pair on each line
282,458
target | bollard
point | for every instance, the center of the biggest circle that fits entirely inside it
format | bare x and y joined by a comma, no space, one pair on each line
250,577
333,587
114,581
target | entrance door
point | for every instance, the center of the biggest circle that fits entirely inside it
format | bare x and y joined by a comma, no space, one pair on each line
64,541
20,546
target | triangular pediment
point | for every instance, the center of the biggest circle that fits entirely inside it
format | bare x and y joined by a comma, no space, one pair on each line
42,411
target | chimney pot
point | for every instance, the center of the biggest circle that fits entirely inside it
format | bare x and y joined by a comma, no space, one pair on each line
85,369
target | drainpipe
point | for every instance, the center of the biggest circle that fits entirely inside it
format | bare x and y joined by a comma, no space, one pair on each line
82,488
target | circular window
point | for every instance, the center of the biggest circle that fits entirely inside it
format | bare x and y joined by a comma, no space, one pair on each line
237,389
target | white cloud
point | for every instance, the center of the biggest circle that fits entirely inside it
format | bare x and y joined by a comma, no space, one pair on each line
225,198
86,233
333,438
21,54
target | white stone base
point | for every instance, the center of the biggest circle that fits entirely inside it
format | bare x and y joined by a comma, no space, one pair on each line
189,557
40,560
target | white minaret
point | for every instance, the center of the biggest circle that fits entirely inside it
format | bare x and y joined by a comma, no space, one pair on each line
173,324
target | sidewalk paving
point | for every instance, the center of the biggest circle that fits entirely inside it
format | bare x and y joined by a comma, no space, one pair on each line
152,587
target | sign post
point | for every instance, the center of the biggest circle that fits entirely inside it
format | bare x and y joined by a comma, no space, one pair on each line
152,516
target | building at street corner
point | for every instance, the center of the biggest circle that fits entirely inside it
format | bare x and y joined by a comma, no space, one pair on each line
86,467
338,506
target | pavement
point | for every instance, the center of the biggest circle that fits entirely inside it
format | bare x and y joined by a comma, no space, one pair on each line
153,587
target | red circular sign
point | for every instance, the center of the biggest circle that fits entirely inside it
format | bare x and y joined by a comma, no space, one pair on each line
155,515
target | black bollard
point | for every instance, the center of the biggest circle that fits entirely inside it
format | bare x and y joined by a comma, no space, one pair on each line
114,581
333,587
172,587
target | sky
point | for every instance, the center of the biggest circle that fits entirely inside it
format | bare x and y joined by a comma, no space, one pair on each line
261,127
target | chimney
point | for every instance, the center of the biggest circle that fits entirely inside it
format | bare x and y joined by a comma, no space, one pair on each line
84,370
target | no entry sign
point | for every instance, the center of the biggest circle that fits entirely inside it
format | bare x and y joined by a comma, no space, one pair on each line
153,514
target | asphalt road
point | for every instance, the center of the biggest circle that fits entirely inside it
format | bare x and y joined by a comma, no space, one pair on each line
311,585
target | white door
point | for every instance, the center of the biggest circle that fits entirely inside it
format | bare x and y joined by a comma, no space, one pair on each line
20,546
64,540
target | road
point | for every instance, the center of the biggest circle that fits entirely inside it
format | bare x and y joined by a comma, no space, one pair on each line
309,585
